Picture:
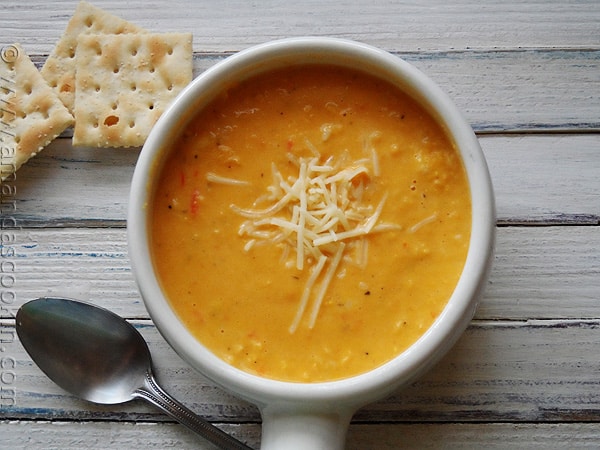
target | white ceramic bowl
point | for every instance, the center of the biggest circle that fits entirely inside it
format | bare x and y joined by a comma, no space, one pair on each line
317,415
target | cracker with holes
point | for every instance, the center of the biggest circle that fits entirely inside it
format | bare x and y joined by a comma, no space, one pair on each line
124,82
59,68
31,114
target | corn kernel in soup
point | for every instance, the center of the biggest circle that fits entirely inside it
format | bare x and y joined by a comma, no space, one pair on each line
310,224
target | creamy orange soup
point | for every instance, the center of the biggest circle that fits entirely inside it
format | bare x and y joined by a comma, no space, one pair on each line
310,224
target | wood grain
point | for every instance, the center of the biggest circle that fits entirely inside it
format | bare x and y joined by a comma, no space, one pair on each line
90,187
535,271
397,26
503,92
530,371
525,74
159,436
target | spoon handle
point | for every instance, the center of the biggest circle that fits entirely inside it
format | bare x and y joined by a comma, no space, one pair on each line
154,394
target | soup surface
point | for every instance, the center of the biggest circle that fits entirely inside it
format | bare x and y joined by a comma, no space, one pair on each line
310,224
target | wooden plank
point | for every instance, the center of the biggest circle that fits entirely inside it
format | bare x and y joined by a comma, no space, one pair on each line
38,435
533,371
473,436
554,182
519,90
541,273
505,91
233,25
546,178
87,264
158,436
544,273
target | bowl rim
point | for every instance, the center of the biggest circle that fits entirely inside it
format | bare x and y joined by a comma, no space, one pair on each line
461,306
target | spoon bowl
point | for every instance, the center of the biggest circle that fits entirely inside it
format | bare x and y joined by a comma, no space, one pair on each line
100,357
86,350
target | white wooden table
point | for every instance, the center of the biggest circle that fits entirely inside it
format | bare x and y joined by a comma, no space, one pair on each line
526,374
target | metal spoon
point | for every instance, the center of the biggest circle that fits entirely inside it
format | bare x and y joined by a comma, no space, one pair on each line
98,356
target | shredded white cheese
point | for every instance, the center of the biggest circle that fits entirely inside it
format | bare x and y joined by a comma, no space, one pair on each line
325,284
423,222
214,178
307,291
319,215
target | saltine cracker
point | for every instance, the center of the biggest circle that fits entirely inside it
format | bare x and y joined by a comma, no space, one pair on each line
124,82
59,68
31,114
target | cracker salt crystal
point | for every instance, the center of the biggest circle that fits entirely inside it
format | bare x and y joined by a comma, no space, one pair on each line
124,82
31,114
59,68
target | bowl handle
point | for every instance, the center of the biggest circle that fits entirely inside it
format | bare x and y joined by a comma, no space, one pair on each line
303,430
